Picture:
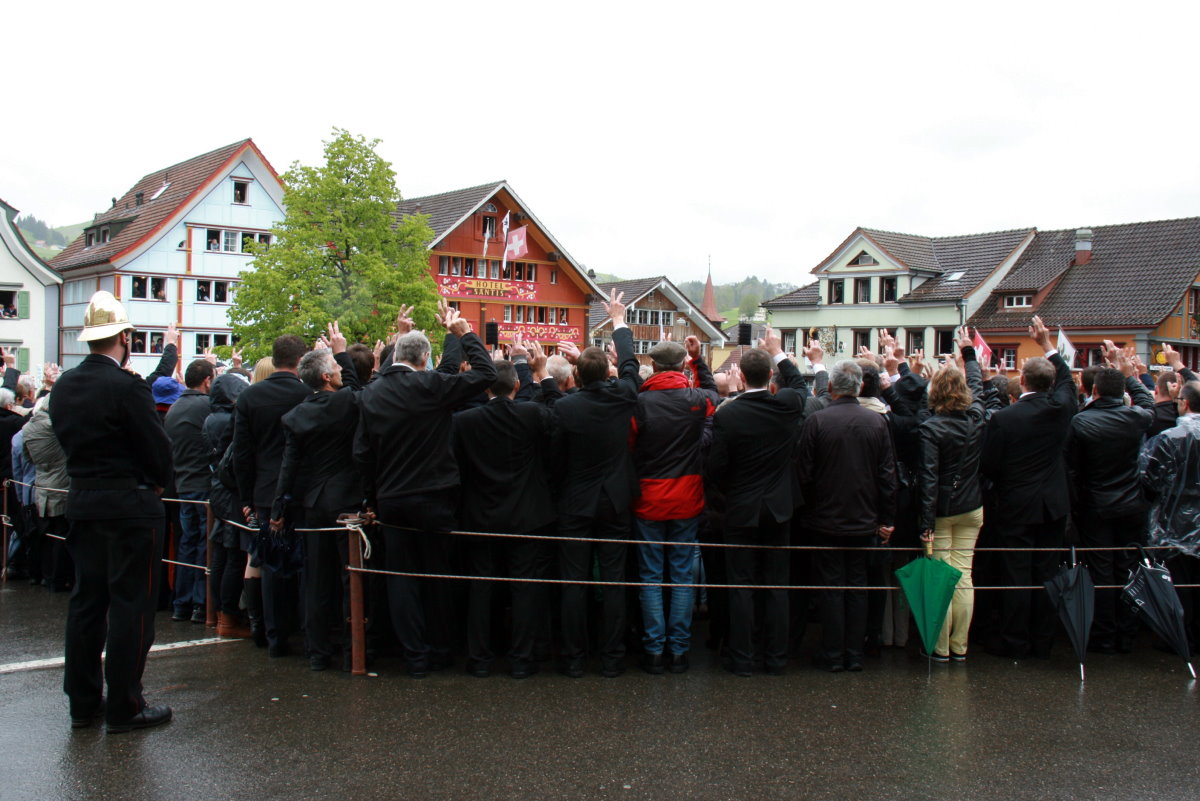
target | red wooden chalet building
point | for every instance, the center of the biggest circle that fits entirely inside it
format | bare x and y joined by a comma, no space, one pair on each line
542,295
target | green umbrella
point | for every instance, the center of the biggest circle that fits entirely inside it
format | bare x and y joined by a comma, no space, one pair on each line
929,584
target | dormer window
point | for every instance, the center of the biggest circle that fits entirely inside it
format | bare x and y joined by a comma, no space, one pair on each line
956,275
91,239
241,190
864,259
489,227
104,235
1018,301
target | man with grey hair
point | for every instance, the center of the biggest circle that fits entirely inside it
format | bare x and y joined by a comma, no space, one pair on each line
403,448
847,467
318,481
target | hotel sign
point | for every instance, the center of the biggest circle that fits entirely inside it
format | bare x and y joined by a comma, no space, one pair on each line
540,332
454,286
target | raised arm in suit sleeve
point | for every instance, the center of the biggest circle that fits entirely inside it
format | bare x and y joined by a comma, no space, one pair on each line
349,373
529,388
1064,393
166,365
550,393
461,387
789,376
452,355
627,363
11,374
1141,398
1146,380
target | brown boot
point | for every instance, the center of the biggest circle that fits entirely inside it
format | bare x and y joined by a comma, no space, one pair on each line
231,626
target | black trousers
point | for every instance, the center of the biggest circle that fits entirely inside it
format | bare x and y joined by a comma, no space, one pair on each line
57,570
416,532
1027,619
228,568
518,559
1114,622
111,611
843,612
326,585
758,566
575,564
281,597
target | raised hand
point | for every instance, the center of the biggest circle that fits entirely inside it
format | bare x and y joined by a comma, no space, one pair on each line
964,338
236,357
404,322
337,340
455,323
737,383
537,358
377,352
1040,334
173,337
917,360
440,316
321,342
518,350
209,356
1174,360
9,356
887,342
610,350
814,352
771,342
614,307
569,351
692,346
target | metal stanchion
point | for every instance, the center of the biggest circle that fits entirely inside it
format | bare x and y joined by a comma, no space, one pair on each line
210,601
358,623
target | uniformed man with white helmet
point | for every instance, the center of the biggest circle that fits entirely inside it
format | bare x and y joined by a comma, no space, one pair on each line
118,460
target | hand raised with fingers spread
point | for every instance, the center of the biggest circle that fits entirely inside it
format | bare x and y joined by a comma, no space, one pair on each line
1040,334
337,340
771,342
1174,360
236,357
404,322
964,338
569,351
614,308
518,350
321,342
537,359
814,352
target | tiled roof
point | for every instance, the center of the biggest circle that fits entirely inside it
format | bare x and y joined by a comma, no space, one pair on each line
445,209
633,290
914,251
183,179
804,296
975,256
1137,275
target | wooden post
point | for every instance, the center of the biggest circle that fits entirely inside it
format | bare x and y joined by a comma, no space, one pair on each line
358,624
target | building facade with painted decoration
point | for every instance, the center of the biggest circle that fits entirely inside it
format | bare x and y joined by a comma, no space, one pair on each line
543,295
655,307
171,249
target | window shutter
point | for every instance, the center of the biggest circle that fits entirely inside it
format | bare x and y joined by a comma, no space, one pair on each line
23,354
23,305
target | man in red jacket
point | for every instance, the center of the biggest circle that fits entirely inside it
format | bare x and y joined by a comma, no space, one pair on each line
672,427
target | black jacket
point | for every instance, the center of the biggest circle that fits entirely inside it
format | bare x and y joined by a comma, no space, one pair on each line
1103,444
184,424
951,447
258,435
847,467
403,445
1023,453
10,424
503,455
318,470
117,451
1166,415
751,459
218,434
591,442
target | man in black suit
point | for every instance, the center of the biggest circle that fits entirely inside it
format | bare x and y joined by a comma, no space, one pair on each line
1023,456
119,459
503,450
754,437
318,477
403,449
599,485
257,455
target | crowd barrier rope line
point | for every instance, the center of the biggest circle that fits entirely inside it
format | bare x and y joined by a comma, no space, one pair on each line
361,551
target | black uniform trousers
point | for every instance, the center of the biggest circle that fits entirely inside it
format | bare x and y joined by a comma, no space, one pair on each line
416,531
843,612
758,566
111,611
326,584
1114,624
526,559
575,564
281,596
1027,619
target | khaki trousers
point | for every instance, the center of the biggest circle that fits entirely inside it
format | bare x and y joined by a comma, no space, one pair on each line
958,534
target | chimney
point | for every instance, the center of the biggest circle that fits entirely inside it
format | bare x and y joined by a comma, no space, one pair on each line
1083,246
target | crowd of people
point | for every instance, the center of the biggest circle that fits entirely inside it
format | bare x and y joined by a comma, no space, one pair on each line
582,467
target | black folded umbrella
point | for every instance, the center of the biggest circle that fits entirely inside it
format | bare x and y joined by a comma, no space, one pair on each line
1152,594
283,552
1074,596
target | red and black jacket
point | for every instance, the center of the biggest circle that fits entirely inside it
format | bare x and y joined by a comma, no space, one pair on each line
671,431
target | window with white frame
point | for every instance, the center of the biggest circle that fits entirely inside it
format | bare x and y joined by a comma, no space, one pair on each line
508,314
148,287
489,228
241,191
214,291
443,265
1008,357
221,240
203,343
562,316
1018,301
554,276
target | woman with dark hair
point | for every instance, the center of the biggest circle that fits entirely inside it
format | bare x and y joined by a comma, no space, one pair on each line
950,497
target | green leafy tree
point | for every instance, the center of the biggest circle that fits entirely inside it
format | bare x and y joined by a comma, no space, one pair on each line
339,254
748,305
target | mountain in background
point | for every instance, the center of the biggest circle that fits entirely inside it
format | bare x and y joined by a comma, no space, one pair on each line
736,300
52,239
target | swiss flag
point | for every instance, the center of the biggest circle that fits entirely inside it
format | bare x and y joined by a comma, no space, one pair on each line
517,245
982,352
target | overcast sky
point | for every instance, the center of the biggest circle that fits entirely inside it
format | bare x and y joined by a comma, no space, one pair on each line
647,136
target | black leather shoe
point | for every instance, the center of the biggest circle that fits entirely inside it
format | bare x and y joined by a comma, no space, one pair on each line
854,666
318,662
479,670
278,650
678,663
832,667
523,670
199,614
610,670
653,664
149,716
84,721
181,615
572,670
738,670
418,670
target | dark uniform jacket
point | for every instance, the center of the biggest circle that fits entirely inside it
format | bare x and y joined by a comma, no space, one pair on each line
591,442
258,435
1023,453
117,451
754,441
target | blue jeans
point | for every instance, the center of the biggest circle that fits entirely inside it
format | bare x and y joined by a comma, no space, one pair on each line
189,582
674,633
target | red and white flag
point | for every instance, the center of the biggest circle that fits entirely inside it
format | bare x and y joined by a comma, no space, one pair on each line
517,244
504,255
982,352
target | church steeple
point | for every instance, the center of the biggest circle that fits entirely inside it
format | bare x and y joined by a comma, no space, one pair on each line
709,307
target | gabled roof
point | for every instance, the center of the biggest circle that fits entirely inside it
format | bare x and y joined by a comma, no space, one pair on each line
183,182
639,288
1137,275
807,295
915,252
15,243
975,256
448,210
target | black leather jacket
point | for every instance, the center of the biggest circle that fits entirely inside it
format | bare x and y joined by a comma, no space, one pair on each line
1102,452
951,445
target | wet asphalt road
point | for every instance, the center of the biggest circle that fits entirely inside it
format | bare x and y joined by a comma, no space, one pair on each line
251,728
